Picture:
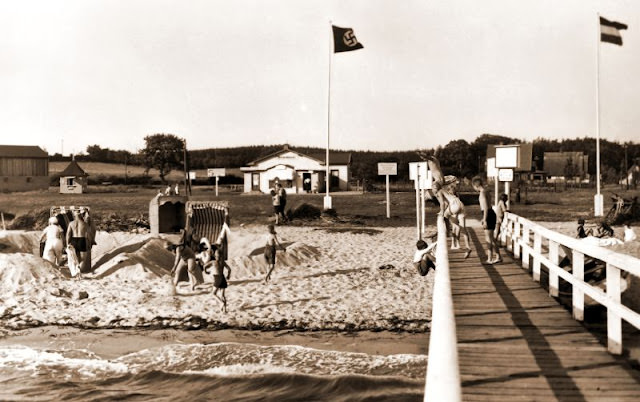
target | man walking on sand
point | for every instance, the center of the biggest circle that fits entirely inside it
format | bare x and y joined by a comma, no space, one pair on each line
76,236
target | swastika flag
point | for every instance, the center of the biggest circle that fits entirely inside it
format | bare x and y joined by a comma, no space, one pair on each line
610,31
344,40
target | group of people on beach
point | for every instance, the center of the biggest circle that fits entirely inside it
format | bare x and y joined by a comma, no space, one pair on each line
205,256
79,238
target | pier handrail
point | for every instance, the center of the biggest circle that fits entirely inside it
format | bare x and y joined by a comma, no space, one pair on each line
443,372
517,237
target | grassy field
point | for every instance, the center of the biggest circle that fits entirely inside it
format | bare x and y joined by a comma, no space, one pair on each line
96,169
352,208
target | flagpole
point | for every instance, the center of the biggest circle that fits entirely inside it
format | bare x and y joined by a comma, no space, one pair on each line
327,198
597,202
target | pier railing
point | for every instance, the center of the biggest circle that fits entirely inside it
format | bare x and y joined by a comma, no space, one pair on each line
517,234
443,372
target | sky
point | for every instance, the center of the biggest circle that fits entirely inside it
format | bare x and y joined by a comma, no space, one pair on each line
222,74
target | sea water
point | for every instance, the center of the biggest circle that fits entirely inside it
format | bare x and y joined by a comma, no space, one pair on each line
221,371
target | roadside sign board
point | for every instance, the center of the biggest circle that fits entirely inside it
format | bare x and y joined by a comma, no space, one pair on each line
420,169
505,174
507,156
387,168
216,172
192,175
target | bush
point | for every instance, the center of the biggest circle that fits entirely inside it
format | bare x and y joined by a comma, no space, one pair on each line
304,211
32,220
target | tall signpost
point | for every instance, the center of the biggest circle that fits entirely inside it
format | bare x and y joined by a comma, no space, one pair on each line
388,169
217,173
421,175
507,159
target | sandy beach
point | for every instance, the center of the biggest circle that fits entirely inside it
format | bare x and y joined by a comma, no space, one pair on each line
328,279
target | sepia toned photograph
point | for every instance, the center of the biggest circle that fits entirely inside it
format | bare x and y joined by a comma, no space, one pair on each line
306,200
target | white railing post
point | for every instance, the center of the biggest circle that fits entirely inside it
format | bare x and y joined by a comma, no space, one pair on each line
537,250
577,300
525,249
554,284
507,235
516,239
614,322
443,374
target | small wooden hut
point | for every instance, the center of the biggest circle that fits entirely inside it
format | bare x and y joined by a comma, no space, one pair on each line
73,179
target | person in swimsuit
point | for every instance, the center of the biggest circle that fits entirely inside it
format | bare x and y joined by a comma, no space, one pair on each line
501,209
185,258
270,251
455,214
488,221
52,238
77,234
219,280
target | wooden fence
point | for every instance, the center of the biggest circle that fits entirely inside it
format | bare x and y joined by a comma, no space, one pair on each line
516,235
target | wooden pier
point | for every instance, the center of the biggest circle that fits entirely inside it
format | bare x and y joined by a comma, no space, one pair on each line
516,343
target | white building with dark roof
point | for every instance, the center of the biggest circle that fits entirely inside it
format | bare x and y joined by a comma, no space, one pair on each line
73,179
23,168
297,172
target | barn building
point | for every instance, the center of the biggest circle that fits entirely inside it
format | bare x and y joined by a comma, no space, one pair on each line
297,172
23,168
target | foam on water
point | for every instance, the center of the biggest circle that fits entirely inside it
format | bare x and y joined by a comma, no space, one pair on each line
215,359
44,362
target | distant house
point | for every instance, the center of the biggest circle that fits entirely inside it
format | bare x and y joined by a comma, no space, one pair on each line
297,172
73,179
566,166
632,177
23,168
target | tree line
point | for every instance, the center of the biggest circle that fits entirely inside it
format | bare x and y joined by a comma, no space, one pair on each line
165,152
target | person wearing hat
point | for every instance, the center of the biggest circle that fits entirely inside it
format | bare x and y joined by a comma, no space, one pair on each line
270,250
52,238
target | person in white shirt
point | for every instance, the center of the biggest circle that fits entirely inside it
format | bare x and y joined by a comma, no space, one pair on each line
424,258
52,238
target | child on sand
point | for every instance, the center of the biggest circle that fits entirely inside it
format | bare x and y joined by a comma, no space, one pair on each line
423,258
488,221
270,250
219,280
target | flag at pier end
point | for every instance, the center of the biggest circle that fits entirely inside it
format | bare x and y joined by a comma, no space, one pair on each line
610,31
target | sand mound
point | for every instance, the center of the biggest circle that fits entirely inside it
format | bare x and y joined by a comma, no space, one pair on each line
137,261
255,265
20,242
20,272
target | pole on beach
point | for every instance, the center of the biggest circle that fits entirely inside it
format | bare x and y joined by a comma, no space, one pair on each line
3,226
388,206
327,197
598,199
424,212
418,208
